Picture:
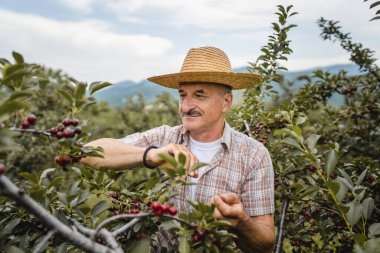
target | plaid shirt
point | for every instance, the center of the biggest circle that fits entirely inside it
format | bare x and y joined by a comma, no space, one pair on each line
242,165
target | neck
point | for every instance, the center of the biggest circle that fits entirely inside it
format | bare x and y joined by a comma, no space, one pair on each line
209,136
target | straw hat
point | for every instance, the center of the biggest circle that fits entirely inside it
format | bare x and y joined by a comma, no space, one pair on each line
207,65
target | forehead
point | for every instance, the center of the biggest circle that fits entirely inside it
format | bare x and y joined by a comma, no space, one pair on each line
205,87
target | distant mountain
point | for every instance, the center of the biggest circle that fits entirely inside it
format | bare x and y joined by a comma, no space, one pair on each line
116,94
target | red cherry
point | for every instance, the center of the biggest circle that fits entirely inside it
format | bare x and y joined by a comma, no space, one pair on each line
158,212
31,119
78,130
2,168
155,206
67,133
60,135
74,122
66,122
164,208
172,211
53,131
62,160
195,238
25,124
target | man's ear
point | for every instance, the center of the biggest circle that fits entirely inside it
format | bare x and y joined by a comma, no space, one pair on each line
228,97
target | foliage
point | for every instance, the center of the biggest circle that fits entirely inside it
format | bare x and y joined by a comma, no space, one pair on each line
325,158
373,5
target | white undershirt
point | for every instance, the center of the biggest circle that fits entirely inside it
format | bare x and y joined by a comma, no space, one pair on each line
204,151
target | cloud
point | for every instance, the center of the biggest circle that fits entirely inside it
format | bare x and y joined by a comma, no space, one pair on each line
88,49
78,5
207,14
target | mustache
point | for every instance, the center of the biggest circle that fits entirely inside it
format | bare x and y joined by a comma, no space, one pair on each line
191,112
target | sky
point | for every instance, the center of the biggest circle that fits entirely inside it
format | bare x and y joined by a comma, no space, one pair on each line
117,40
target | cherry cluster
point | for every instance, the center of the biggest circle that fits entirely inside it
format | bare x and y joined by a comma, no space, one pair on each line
262,131
29,121
64,130
200,235
160,209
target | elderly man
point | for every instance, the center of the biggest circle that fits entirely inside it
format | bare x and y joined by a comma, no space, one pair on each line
239,176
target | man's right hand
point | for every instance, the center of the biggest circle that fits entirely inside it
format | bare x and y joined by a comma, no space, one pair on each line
173,150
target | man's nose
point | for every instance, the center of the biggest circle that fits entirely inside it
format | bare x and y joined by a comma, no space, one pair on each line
186,104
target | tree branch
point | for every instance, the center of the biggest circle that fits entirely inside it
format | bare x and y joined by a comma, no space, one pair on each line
7,188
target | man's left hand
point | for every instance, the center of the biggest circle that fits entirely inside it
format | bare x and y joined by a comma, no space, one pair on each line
229,208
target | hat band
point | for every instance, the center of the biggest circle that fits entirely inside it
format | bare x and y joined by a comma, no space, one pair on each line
213,83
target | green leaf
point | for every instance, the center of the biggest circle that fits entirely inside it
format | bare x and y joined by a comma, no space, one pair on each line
10,107
333,186
45,172
361,177
14,249
20,94
61,248
300,120
182,158
374,230
99,208
9,227
359,238
343,188
296,130
18,57
292,142
330,161
95,86
197,166
80,91
83,198
62,197
347,177
354,212
311,142
30,177
66,95
368,205
184,245
169,159
141,246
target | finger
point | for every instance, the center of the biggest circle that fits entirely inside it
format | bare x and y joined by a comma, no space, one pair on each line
225,209
218,215
230,198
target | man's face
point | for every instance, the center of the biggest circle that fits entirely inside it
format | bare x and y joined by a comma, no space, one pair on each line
202,106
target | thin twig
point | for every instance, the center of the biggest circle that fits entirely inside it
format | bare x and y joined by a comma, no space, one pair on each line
247,128
33,131
281,233
327,241
126,227
118,217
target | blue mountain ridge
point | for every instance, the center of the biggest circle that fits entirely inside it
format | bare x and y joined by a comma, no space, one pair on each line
117,93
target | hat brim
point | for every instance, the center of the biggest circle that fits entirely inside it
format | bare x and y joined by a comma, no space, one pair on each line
234,80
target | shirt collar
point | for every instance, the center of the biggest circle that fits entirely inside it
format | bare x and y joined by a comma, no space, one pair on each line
226,138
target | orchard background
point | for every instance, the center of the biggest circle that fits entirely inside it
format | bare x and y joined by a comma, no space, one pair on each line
326,160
